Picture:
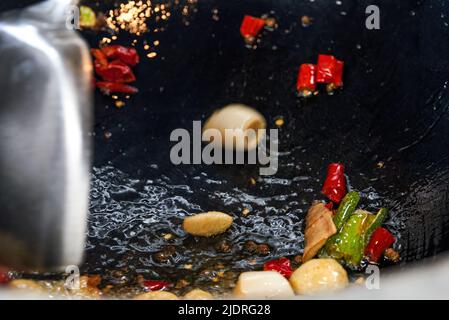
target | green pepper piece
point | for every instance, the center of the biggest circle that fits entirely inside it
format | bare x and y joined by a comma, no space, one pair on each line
377,222
88,18
349,244
346,208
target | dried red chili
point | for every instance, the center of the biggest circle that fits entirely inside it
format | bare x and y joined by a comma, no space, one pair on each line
4,276
115,71
338,77
100,57
306,83
282,265
156,285
113,87
380,240
329,70
251,26
126,55
335,184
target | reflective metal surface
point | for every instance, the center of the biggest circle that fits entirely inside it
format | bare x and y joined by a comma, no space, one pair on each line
45,117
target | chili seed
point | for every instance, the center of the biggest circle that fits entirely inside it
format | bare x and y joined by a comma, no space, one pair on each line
392,255
223,246
165,254
250,246
263,249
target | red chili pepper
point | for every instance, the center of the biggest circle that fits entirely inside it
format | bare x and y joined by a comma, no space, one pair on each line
126,55
338,77
335,184
282,265
251,26
329,205
329,70
116,71
4,276
114,87
381,240
100,57
156,285
306,83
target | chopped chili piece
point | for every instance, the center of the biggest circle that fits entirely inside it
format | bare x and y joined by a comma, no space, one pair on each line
329,70
156,285
338,77
113,87
335,184
306,83
116,71
126,55
100,57
4,276
330,205
282,265
251,26
381,240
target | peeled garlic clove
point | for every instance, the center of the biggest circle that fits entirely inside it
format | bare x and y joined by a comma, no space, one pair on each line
207,224
319,276
262,285
156,295
198,294
240,118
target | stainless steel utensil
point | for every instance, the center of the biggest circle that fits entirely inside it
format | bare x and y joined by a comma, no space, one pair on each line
45,118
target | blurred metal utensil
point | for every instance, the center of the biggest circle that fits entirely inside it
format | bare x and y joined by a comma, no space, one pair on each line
45,117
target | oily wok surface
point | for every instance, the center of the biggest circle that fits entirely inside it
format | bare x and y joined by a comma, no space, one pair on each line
393,109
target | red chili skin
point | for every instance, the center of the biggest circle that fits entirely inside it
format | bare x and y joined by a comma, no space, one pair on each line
329,70
251,26
338,77
306,77
116,71
124,54
4,276
156,285
282,265
329,205
100,57
335,184
113,87
381,240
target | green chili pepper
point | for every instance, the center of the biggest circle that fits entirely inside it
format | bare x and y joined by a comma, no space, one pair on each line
377,222
349,244
346,208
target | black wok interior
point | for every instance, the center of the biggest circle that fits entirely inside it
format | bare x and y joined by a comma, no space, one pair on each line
393,109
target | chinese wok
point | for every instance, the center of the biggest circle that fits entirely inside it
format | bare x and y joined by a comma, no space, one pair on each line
389,126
